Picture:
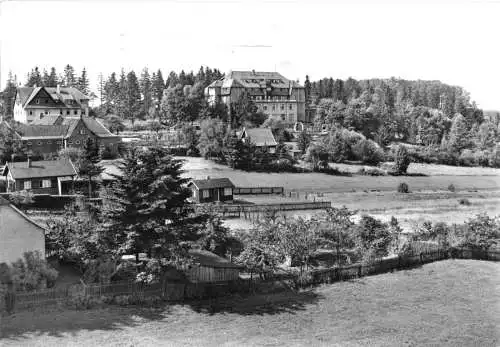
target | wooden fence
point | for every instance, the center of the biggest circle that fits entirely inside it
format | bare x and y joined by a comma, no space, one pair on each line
244,210
258,190
178,291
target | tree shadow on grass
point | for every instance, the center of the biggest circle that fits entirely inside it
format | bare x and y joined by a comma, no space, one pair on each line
58,322
55,322
260,304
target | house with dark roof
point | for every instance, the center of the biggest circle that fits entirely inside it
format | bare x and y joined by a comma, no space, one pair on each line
52,133
18,234
36,102
271,92
260,137
212,190
33,103
54,177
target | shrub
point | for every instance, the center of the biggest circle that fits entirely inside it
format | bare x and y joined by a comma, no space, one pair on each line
451,188
84,302
467,158
22,198
368,152
403,188
32,273
464,202
107,153
402,160
371,172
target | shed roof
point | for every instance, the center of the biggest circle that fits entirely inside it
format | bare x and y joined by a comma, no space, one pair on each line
209,259
5,202
213,183
42,168
260,136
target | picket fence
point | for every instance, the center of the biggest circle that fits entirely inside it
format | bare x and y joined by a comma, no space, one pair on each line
177,291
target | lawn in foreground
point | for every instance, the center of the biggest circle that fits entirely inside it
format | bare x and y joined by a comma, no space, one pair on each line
447,303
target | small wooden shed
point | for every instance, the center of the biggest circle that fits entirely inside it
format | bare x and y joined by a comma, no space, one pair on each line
211,268
212,190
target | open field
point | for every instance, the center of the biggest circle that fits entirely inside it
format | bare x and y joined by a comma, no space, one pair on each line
317,182
429,198
447,303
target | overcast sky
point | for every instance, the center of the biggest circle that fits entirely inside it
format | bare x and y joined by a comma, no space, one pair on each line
457,42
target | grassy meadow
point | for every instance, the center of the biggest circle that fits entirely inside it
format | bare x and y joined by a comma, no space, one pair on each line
446,303
429,197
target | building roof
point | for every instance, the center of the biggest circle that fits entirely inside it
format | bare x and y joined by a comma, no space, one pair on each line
211,183
42,168
26,94
260,136
209,259
5,202
256,80
48,120
49,127
40,131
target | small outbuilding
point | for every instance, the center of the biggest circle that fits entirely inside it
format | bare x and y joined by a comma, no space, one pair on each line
18,234
208,267
212,190
260,137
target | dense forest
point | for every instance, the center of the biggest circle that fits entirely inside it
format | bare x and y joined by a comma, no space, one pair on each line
441,119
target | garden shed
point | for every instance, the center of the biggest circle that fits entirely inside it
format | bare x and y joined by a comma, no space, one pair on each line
212,190
208,267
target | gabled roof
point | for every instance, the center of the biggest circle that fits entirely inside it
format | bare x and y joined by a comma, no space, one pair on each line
213,183
26,94
97,127
42,168
209,259
48,127
259,136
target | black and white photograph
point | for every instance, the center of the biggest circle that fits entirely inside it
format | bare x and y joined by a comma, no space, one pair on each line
250,173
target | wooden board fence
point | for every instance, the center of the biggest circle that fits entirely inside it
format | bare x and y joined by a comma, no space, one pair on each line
258,190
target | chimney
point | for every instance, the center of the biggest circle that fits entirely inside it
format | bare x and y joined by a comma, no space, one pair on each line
58,88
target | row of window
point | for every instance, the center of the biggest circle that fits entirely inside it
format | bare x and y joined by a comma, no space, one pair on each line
41,184
68,112
282,107
227,192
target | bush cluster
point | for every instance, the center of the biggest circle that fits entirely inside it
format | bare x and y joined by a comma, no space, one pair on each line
30,273
403,188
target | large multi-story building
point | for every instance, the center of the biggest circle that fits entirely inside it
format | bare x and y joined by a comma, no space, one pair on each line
272,93
34,103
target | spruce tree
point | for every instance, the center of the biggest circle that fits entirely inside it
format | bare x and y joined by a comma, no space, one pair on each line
146,91
148,204
89,164
52,80
83,83
69,79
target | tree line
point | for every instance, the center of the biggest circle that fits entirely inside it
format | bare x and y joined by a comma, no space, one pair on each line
440,120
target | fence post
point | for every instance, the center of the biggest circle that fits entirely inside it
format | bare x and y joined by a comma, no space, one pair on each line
360,270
